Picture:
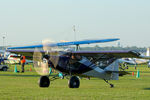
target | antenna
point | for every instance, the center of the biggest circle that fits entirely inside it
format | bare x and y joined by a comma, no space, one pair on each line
3,42
75,39
4,36
74,29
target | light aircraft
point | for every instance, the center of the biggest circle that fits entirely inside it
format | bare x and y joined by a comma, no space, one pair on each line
12,59
100,64
15,59
136,61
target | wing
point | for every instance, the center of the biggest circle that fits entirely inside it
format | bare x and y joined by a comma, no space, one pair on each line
27,53
93,54
110,54
67,43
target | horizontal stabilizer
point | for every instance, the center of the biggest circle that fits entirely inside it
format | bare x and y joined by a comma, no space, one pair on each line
121,73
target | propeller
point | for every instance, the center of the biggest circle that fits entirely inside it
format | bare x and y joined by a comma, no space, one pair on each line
40,64
50,57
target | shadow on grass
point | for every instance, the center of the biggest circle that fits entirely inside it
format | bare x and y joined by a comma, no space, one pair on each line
146,88
140,71
132,79
19,75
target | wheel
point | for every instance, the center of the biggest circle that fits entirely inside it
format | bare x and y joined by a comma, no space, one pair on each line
4,69
44,81
74,82
111,85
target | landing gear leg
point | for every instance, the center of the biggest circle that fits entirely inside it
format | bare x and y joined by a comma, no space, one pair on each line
74,82
44,81
111,85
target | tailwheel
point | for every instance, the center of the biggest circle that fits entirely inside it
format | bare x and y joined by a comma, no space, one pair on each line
111,85
74,82
44,81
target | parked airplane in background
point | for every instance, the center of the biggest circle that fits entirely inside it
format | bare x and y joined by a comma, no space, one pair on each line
135,61
13,59
100,64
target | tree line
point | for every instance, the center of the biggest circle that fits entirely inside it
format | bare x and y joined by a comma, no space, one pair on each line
97,48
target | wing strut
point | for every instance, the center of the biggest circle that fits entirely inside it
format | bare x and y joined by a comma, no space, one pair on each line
77,47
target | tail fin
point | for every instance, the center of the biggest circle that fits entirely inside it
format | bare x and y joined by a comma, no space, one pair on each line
148,52
113,69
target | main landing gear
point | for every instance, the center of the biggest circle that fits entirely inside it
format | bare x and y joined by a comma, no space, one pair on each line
111,85
44,81
74,82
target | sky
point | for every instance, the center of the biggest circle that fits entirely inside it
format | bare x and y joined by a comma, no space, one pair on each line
24,22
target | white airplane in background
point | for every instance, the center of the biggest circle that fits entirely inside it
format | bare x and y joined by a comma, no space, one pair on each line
12,59
136,61
15,59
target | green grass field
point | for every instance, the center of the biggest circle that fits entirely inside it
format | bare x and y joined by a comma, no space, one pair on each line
24,86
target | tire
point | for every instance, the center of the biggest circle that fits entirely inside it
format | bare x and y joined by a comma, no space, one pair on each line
44,81
74,82
4,69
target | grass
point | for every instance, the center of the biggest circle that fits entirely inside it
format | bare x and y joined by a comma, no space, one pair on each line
23,86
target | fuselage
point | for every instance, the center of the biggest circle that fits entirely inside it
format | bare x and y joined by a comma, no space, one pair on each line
80,66
71,66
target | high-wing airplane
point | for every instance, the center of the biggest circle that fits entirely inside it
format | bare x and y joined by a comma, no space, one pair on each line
136,61
100,64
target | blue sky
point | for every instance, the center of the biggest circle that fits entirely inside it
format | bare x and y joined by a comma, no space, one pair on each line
31,21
